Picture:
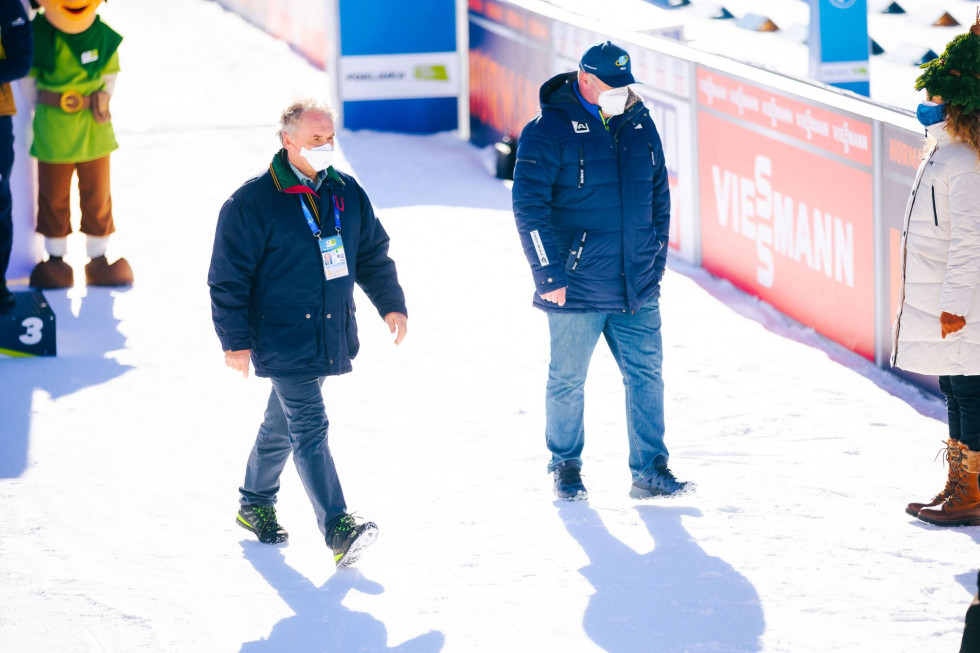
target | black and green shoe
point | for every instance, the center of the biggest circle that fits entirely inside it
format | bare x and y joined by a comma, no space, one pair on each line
261,520
348,539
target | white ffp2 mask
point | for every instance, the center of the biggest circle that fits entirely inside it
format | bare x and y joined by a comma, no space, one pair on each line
319,158
613,101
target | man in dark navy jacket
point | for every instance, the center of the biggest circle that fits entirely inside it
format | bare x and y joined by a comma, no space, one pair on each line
288,248
593,211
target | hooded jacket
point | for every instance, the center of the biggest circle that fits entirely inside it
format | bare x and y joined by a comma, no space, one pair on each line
268,288
941,263
592,205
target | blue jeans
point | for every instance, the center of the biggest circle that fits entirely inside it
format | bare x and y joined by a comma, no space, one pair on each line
295,422
635,342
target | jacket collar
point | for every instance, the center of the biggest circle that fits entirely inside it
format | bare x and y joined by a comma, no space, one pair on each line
285,179
939,134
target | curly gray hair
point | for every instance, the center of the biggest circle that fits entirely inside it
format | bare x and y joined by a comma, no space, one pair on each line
292,114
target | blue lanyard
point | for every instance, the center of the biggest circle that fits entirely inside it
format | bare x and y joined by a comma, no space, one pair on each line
312,223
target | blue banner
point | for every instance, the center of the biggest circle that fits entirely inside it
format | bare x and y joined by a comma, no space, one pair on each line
399,68
839,44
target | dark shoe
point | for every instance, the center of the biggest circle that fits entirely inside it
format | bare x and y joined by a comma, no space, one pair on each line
99,272
348,539
51,274
660,483
568,482
261,520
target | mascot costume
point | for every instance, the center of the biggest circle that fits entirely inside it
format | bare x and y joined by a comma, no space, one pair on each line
74,71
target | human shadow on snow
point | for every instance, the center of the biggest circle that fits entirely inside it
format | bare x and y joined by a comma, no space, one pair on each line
673,598
321,621
83,342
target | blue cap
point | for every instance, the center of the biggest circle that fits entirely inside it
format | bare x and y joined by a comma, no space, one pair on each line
608,62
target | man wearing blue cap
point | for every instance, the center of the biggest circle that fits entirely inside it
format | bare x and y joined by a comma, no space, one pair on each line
592,207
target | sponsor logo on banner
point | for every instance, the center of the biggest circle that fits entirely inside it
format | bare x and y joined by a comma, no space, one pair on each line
843,4
434,73
380,77
836,133
786,205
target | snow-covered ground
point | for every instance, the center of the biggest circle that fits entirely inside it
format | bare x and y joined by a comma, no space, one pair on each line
120,459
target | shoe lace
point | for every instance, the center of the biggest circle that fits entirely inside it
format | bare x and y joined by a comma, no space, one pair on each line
345,524
266,517
666,473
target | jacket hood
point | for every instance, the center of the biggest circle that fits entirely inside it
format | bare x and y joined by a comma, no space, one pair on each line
558,90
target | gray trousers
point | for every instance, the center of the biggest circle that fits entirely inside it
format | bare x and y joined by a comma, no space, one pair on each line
295,422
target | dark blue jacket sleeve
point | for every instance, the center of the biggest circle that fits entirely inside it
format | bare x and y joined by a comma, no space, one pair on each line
535,173
17,39
238,247
661,206
376,274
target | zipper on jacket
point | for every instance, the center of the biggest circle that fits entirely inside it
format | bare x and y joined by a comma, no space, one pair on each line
581,167
578,254
935,216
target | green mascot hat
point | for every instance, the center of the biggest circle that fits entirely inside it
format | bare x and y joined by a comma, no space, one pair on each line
955,76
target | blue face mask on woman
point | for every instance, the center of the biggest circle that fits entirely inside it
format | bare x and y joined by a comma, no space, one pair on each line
930,113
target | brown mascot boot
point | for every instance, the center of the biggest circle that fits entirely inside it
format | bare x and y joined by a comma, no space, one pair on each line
99,272
954,460
962,506
53,273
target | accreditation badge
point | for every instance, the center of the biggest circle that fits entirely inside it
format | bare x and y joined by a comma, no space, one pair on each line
334,259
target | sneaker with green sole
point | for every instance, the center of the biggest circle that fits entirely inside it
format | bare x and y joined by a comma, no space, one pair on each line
348,539
261,520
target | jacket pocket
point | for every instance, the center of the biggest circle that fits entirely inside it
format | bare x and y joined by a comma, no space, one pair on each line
285,335
935,215
353,343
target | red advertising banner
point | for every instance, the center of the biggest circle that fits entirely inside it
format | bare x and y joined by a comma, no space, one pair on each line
841,134
786,205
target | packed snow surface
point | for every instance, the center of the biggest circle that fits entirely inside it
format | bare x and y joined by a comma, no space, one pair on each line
120,458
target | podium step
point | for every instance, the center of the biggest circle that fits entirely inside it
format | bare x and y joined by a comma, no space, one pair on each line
28,328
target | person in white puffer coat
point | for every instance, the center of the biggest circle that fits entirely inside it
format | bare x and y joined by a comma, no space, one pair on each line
937,327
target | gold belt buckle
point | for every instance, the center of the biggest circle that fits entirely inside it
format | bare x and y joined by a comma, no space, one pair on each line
71,102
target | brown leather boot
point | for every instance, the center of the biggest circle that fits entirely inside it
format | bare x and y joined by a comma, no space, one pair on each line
53,273
962,506
954,461
99,272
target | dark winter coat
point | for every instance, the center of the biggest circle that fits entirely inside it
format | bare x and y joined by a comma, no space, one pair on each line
592,206
268,290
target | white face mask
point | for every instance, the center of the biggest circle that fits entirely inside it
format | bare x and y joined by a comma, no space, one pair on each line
613,101
319,158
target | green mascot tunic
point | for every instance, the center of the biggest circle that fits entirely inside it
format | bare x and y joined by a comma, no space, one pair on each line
72,62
